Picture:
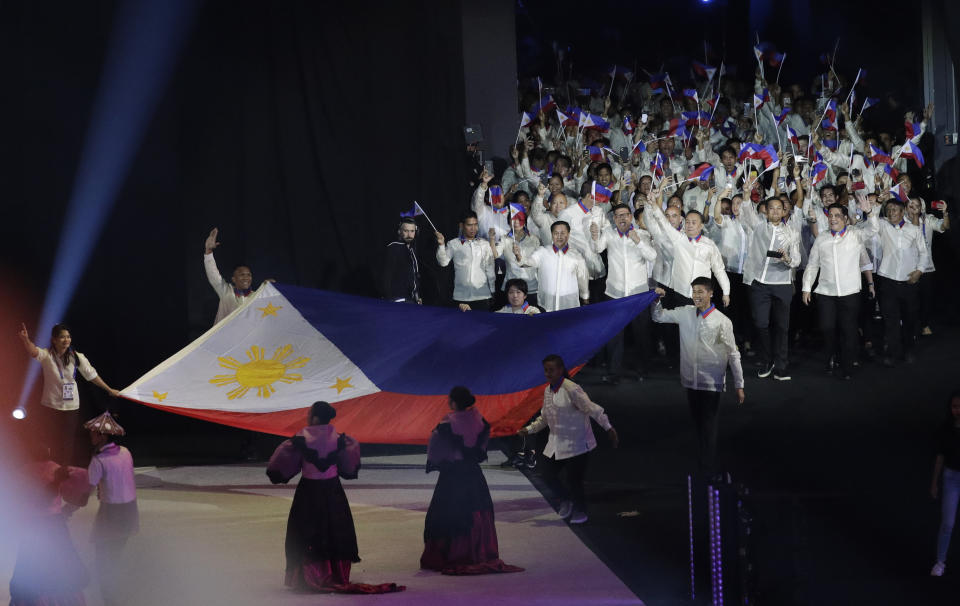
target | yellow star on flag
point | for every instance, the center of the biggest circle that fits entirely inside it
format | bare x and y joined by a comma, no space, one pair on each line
341,384
160,396
269,310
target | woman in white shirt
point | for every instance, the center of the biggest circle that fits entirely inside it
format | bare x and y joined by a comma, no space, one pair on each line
567,411
59,411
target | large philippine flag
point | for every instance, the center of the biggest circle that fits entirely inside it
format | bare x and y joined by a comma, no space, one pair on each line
386,367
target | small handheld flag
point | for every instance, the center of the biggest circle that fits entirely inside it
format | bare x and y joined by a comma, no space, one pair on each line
911,150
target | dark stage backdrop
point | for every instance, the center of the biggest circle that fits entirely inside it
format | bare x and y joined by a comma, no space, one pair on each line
300,129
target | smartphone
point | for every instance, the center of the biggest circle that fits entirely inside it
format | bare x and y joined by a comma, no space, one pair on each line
782,183
488,166
624,154
643,118
937,205
775,254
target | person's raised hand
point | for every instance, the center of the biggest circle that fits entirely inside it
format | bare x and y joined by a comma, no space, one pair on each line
516,251
594,231
485,177
24,335
439,236
542,189
492,234
211,241
928,111
635,236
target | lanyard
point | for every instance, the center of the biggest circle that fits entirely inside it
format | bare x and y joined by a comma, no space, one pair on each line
60,368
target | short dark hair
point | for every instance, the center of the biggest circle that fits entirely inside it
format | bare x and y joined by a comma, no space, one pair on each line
461,397
826,187
618,207
557,359
563,223
896,202
408,221
605,165
638,213
468,215
323,412
841,207
518,283
694,212
702,281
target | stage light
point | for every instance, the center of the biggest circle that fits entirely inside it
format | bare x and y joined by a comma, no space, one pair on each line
144,45
19,413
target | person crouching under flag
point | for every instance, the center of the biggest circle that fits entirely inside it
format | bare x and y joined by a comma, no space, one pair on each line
111,471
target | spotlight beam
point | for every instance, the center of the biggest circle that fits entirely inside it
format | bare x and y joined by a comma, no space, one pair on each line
144,45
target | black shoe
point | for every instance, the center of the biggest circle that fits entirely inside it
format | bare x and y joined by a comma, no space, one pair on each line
781,376
765,372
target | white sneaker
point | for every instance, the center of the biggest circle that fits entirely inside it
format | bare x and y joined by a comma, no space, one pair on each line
578,517
566,508
937,570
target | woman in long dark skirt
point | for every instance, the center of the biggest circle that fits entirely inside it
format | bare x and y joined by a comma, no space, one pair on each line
321,542
459,534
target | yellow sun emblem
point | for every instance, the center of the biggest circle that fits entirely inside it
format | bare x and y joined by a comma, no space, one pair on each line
160,396
269,310
259,372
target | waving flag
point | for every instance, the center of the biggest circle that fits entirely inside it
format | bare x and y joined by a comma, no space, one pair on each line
704,70
912,129
639,147
546,103
628,126
677,127
712,102
890,170
656,166
831,144
755,151
702,172
775,59
596,154
691,93
794,138
758,101
911,150
496,196
696,118
783,116
898,193
868,103
416,211
819,173
600,193
525,119
879,156
595,122
830,115
657,80
566,120
264,365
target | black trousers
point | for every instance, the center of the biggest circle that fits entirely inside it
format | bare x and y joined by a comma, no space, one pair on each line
59,431
705,411
899,304
838,315
771,307
639,327
926,297
481,305
669,332
739,310
572,471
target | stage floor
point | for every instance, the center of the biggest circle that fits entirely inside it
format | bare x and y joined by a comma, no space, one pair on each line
213,535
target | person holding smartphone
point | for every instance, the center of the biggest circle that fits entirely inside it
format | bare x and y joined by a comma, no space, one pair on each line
928,224
773,253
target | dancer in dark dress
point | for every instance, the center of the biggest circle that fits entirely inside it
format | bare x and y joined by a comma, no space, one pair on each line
459,534
321,543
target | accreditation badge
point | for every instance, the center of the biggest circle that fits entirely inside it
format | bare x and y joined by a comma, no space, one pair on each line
69,389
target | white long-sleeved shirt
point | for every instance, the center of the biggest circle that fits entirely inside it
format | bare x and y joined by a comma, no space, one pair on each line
230,297
707,347
626,262
473,277
765,236
692,257
488,216
731,238
928,225
580,218
528,243
904,250
561,275
567,412
835,256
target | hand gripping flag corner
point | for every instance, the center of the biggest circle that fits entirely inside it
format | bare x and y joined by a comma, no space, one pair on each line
386,367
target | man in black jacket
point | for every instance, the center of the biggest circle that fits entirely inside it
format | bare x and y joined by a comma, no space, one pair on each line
401,271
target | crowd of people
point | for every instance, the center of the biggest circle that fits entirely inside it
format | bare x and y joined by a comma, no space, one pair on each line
776,204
